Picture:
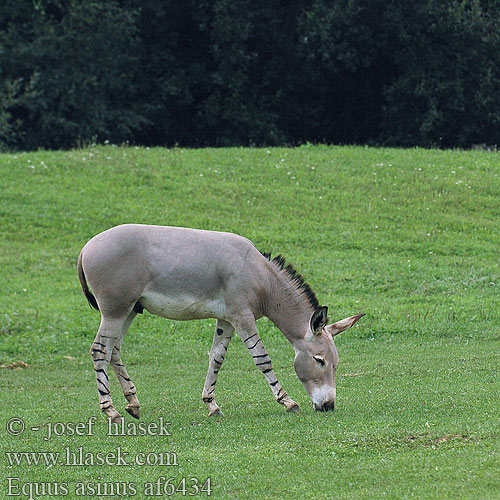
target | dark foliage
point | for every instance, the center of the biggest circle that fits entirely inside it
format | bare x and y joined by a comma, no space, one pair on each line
241,72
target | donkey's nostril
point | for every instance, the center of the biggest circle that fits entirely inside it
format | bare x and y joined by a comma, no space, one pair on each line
329,405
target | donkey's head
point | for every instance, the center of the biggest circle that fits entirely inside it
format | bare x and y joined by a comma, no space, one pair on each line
316,358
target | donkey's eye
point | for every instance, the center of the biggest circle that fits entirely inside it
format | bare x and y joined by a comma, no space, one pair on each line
319,360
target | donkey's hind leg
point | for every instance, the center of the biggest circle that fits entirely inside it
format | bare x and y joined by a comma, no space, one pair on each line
129,391
101,350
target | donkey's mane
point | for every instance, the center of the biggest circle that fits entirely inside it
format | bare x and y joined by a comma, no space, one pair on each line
294,277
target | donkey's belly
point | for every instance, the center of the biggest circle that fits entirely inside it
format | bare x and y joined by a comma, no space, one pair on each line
183,307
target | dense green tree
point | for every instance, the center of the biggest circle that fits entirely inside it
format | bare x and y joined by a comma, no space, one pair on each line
175,68
447,87
74,67
235,72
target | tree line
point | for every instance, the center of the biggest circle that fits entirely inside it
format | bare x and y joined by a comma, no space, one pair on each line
241,72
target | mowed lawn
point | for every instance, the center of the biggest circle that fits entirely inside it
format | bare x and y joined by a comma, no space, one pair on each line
410,237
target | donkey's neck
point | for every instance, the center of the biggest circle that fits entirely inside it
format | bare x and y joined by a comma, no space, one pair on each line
287,307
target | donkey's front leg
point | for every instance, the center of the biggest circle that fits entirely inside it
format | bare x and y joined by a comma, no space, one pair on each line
223,333
248,333
101,351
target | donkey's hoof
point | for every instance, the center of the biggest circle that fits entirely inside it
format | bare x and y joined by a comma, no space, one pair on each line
113,416
216,413
135,411
116,419
294,408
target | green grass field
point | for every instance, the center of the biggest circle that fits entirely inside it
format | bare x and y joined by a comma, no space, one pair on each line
410,237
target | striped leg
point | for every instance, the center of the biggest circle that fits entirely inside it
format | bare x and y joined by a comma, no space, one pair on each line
248,333
101,351
129,391
223,333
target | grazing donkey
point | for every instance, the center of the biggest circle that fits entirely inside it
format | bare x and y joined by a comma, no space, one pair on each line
184,274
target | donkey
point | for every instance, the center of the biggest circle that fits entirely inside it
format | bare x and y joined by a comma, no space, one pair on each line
185,274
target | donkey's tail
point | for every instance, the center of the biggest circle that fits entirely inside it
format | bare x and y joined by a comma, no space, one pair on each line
85,287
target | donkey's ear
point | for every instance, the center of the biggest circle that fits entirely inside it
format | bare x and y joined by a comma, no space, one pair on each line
343,324
319,319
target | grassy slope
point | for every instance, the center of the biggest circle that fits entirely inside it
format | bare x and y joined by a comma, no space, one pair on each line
408,236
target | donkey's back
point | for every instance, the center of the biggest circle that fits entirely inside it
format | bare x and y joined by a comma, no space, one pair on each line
178,273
